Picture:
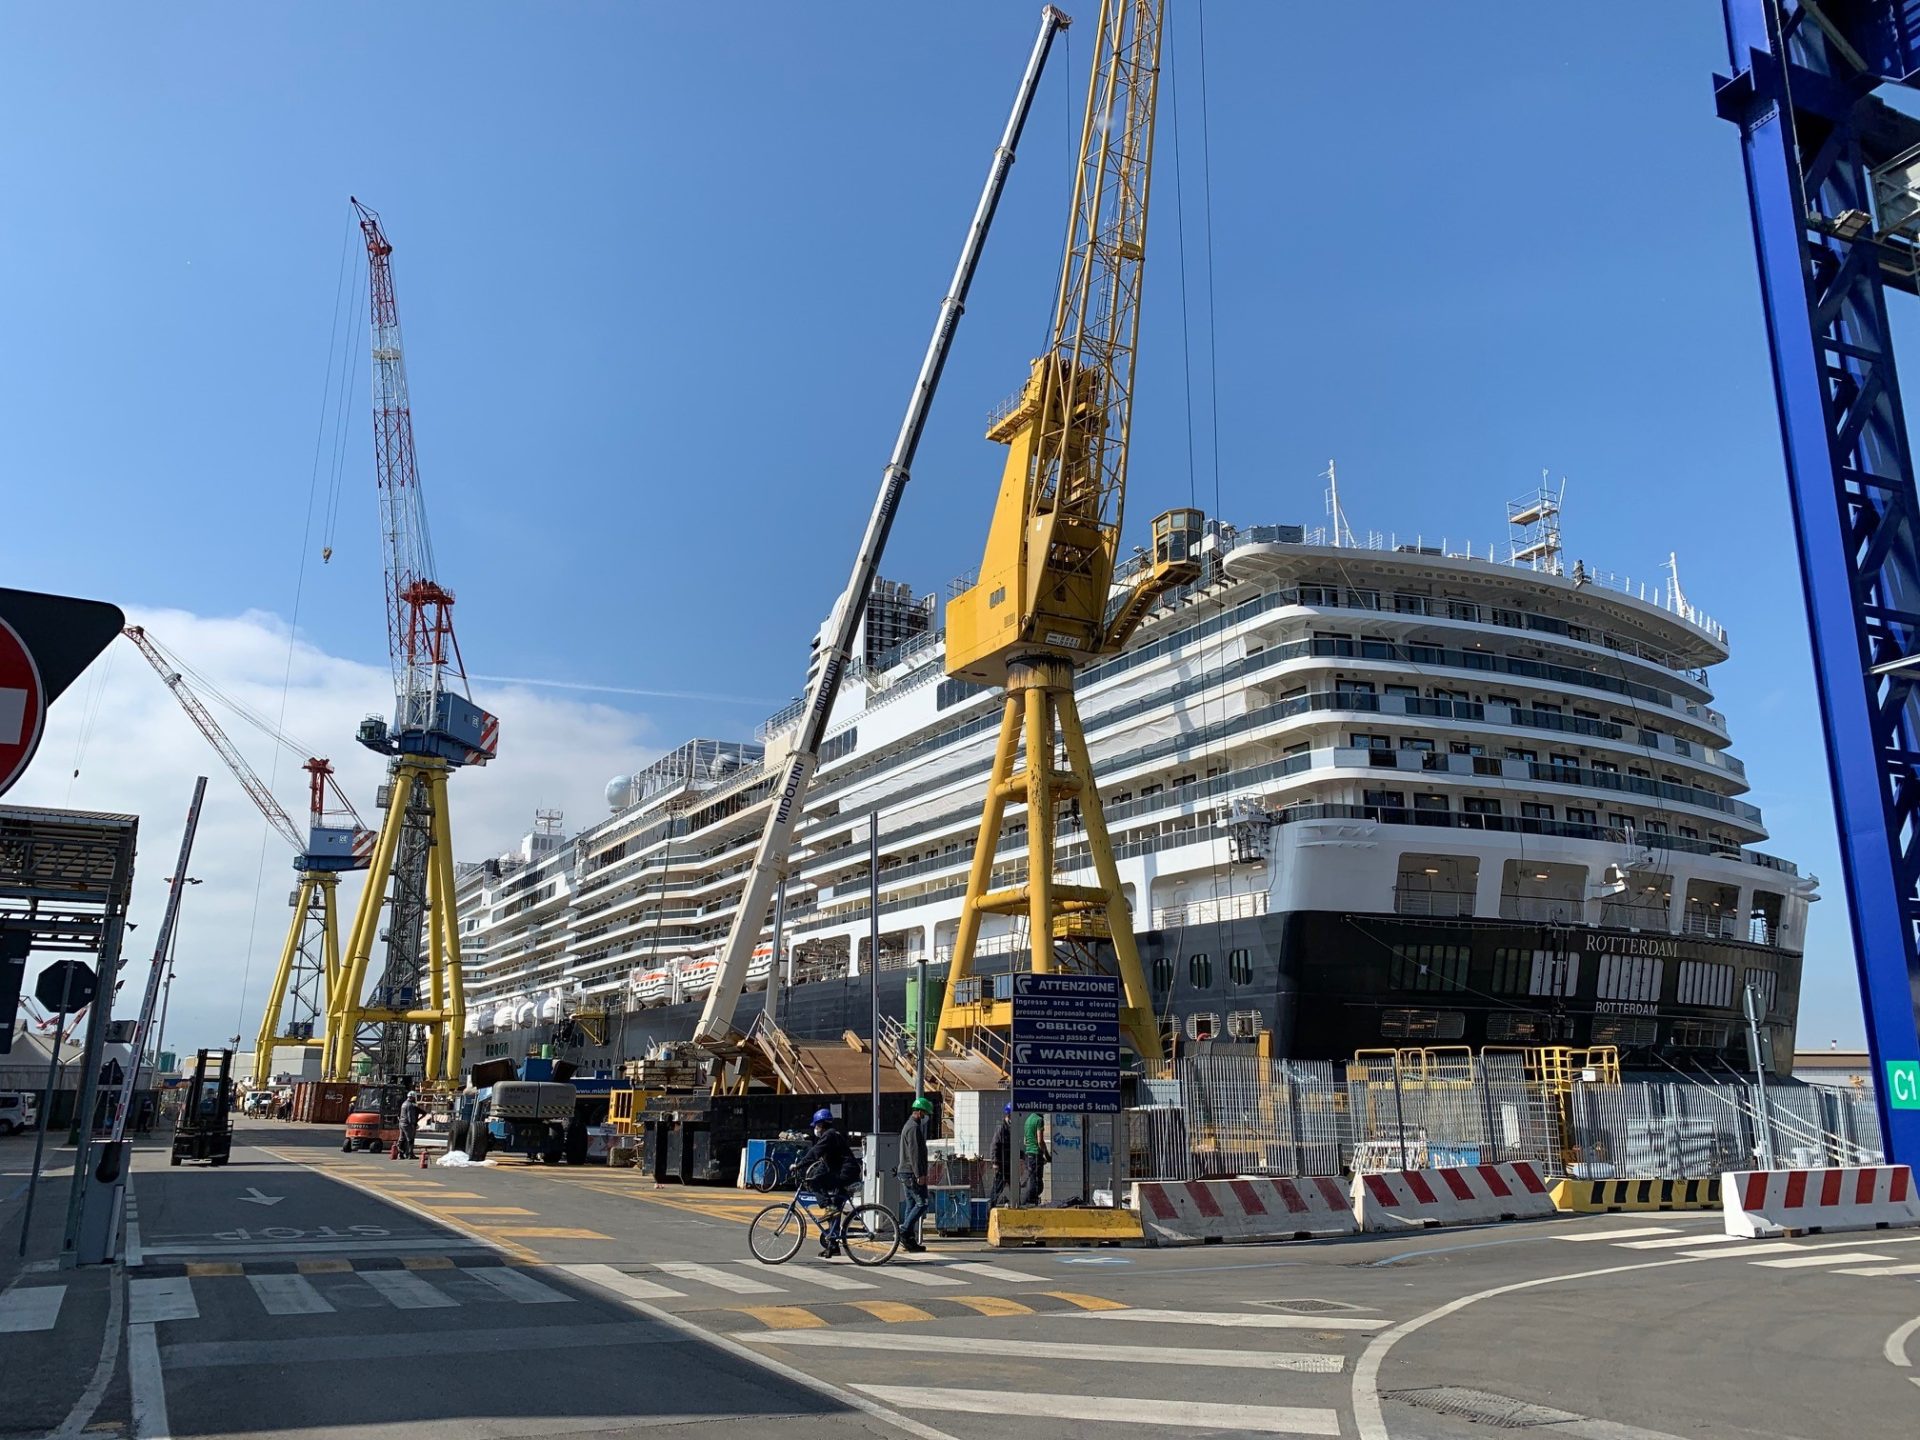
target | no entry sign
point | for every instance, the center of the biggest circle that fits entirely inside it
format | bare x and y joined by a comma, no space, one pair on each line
23,705
45,642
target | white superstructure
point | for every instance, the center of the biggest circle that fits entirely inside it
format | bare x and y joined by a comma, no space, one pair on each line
1378,730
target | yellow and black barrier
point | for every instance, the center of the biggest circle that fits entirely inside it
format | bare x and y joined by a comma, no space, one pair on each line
1591,1197
1073,1226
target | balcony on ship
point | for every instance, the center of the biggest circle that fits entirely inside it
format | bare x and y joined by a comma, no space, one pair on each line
1439,885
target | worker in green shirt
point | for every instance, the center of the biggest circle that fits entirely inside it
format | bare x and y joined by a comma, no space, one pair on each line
1034,1156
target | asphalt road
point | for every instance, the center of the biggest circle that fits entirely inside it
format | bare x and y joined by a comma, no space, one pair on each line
303,1292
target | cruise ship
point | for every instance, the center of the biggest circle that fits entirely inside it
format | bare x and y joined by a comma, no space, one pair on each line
1362,794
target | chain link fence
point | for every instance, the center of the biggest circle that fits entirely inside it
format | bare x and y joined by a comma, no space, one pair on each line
1228,1112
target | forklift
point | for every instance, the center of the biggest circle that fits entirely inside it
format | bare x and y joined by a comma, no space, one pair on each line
205,1131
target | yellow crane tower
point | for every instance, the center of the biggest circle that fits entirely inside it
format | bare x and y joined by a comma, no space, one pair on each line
1047,602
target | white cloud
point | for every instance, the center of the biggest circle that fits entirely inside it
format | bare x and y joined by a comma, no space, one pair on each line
138,752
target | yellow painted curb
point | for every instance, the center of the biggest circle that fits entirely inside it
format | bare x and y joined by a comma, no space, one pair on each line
1602,1197
1064,1227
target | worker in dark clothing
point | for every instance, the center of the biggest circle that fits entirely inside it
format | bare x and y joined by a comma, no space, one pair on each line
1002,1160
829,1167
409,1123
912,1171
1034,1156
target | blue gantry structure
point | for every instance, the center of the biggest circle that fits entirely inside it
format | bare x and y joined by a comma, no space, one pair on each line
1833,174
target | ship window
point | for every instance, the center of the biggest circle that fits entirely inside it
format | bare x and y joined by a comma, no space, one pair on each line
1428,967
1200,971
1701,983
1147,792
1411,604
952,692
1530,757
1422,1024
1688,832
1521,1025
1463,610
1577,815
1406,692
1240,966
1554,972
1363,599
1533,810
1624,1031
1604,767
1430,802
1508,700
1244,1024
1426,655
1163,973
1630,977
1180,782
1564,762
1542,707
1375,649
1421,747
1318,595
1362,741
1511,970
1203,1026
1465,747
1700,1035
1386,799
1479,805
1656,827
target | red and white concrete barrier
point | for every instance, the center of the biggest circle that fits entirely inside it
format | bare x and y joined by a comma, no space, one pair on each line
1199,1212
1457,1195
1785,1202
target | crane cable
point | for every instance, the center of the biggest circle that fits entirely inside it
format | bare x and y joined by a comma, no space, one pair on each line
336,400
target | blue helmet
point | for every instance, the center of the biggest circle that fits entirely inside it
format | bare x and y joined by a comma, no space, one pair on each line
1009,1108
823,1117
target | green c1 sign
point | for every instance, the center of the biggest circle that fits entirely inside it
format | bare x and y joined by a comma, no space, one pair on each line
1903,1084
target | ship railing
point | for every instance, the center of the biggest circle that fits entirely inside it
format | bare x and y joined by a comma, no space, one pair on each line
1210,911
1448,903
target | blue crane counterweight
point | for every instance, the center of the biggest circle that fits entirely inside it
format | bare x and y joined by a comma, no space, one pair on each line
1835,197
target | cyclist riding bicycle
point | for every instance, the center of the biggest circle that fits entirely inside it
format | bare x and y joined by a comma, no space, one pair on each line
831,1167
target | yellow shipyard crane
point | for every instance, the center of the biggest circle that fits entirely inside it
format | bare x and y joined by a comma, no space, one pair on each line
1046,602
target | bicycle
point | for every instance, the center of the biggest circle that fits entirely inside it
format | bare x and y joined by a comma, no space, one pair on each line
870,1234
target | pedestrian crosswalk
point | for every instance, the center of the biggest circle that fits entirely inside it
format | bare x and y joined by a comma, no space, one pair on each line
1836,1254
329,1285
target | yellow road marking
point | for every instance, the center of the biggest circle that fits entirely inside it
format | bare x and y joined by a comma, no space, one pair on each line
786,1317
482,1210
541,1232
992,1304
214,1267
1086,1302
891,1311
323,1267
426,1262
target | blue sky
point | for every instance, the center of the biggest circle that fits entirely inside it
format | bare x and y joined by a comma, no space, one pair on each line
665,272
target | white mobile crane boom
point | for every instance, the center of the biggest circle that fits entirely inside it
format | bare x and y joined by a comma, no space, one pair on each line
776,838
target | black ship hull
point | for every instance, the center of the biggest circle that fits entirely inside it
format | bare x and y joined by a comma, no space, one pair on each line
1327,984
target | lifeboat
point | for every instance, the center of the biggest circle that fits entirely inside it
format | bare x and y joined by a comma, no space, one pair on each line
650,987
696,976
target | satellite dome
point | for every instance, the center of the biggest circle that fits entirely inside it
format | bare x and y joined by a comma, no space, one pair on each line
620,792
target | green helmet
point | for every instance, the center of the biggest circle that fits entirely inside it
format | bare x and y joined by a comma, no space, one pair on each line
923,1105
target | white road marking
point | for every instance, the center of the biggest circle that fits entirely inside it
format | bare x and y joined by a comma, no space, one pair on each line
995,1272
714,1275
1896,1347
907,1273
289,1295
1763,1247
1235,1319
516,1285
1678,1241
1830,1256
1054,1350
405,1290
1629,1233
1192,1414
825,1279
151,1301
621,1283
148,1387
34,1307
1883,1270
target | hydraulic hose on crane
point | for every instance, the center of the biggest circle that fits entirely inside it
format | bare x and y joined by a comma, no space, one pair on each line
776,838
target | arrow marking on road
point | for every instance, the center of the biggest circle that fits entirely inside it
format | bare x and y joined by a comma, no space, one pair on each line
254,1197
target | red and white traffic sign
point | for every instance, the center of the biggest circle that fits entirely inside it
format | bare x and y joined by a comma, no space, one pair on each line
23,705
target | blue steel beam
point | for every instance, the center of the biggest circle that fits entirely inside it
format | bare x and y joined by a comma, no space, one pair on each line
1813,134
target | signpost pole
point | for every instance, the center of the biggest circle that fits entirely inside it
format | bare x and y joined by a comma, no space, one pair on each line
873,980
46,1104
